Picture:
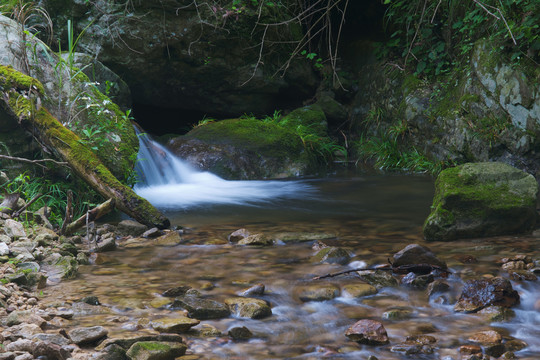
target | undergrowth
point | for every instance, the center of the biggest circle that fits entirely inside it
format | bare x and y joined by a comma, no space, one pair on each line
429,38
53,195
320,148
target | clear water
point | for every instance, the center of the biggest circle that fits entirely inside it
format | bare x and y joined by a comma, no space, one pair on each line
371,215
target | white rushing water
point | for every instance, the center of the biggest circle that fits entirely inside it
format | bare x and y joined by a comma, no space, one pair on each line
167,181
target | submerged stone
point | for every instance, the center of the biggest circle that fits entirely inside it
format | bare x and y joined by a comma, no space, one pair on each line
482,199
414,254
358,290
317,292
332,255
240,333
256,240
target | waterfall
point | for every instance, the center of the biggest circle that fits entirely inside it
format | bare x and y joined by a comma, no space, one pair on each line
167,181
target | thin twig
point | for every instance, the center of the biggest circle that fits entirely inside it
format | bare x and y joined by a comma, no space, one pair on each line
36,162
484,6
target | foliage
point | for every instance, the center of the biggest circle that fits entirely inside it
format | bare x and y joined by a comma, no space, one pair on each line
386,146
317,146
54,195
430,37
386,153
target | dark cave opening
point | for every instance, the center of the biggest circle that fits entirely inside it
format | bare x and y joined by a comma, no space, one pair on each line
362,27
161,121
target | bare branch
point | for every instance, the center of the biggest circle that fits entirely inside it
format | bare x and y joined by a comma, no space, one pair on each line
36,162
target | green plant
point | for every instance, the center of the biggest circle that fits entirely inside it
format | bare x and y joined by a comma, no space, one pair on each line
31,18
318,63
431,37
320,148
205,120
54,195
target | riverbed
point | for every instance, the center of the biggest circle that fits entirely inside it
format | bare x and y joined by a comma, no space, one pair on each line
371,215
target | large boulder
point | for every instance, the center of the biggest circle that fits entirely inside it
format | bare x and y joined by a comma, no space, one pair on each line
482,199
244,148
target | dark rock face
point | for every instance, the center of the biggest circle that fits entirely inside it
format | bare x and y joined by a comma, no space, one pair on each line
478,294
369,332
189,55
482,199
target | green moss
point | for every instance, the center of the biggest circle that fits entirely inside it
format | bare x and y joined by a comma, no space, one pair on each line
310,116
152,345
252,134
481,199
11,78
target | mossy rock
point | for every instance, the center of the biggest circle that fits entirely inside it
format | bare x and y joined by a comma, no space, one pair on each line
482,199
244,148
311,116
156,350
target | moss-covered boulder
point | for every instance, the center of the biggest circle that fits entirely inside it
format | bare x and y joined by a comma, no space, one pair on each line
244,148
482,199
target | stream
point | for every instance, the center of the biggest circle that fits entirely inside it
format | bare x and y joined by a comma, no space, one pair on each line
371,215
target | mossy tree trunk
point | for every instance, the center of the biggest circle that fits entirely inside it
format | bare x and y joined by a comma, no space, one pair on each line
20,96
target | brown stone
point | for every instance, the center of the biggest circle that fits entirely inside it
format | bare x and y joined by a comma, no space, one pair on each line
369,332
238,235
470,349
486,337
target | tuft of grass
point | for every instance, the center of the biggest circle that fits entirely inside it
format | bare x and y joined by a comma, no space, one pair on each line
386,153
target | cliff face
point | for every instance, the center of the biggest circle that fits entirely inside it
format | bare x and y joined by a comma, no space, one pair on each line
490,112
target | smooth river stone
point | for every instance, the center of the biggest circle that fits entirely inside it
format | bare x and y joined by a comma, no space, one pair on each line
248,307
172,238
202,309
358,290
256,240
87,335
303,236
317,292
174,325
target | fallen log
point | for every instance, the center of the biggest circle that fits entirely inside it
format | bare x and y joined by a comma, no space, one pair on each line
19,94
90,216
